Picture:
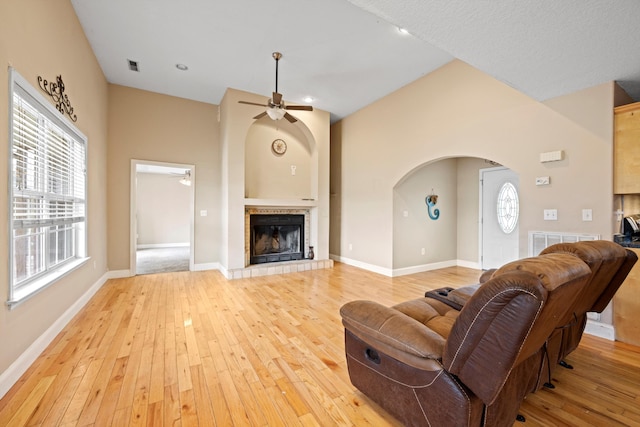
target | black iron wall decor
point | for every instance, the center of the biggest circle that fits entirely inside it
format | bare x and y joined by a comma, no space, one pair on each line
56,92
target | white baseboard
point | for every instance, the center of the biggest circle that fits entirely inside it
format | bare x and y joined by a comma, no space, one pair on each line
599,329
225,272
468,264
207,266
119,274
163,245
424,267
363,265
407,270
13,373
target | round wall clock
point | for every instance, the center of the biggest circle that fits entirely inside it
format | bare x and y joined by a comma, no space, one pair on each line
279,146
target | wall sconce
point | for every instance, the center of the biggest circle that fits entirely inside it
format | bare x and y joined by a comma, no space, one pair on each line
431,201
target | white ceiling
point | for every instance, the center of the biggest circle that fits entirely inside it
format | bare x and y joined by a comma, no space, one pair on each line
347,54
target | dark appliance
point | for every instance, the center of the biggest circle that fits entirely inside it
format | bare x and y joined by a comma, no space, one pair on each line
631,227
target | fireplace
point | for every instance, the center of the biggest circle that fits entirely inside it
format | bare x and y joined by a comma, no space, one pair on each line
276,237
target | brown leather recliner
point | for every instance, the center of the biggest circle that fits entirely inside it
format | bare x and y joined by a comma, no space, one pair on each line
610,264
429,364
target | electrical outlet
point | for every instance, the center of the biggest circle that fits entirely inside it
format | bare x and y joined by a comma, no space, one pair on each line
551,214
422,251
587,215
350,247
293,169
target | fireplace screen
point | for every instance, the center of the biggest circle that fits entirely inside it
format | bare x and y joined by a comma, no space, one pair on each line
276,238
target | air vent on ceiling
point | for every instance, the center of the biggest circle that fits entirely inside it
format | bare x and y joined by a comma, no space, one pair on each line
133,65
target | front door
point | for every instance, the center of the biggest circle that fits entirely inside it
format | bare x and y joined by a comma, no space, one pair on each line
499,222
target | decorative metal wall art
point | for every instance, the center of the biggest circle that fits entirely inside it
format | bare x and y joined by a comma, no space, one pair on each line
56,92
431,201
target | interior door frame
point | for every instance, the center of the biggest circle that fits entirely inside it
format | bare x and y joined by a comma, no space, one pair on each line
481,211
133,223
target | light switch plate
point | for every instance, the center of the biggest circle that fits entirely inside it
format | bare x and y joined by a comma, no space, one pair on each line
550,214
543,180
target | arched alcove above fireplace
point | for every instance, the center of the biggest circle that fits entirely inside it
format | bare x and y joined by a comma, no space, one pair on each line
279,161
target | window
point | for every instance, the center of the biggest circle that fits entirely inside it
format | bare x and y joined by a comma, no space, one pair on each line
508,208
47,192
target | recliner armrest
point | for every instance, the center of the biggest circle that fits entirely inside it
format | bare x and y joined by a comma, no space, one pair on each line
388,328
486,275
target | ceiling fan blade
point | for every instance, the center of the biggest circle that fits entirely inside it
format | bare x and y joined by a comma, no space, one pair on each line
290,118
261,115
299,107
252,103
277,98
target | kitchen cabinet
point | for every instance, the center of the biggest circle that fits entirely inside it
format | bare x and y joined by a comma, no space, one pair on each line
626,307
626,149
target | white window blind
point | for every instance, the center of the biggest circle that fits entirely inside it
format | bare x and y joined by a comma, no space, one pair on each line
48,192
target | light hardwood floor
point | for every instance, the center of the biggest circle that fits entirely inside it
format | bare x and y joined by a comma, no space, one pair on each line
192,348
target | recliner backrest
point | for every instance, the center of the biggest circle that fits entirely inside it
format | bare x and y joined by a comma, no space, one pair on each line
609,263
509,318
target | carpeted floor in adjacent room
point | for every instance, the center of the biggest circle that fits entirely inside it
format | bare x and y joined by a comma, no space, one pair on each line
162,260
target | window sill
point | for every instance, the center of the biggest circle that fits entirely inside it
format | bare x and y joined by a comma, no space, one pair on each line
27,291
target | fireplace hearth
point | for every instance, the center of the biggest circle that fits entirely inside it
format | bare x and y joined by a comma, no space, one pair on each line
276,237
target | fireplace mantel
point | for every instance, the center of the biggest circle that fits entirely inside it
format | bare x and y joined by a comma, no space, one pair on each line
286,203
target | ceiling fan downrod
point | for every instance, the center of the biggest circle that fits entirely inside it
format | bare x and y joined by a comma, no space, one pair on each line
277,56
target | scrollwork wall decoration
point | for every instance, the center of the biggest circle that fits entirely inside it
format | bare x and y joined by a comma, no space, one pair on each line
56,92
431,201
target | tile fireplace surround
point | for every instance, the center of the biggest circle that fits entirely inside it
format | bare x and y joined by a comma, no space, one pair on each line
283,267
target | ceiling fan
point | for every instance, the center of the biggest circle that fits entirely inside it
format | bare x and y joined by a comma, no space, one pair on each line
275,107
184,178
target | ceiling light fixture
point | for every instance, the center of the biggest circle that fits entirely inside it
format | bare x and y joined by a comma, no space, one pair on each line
275,113
308,99
182,67
186,179
403,31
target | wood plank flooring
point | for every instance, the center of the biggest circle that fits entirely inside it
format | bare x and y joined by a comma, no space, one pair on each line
194,349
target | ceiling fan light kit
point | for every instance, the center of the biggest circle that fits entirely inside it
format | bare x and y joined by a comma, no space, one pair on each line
275,113
275,107
186,179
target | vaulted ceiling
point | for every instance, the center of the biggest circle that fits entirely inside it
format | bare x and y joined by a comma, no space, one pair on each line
347,54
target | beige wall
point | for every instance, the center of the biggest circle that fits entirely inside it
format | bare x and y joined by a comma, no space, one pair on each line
44,38
458,111
413,230
268,175
163,210
155,127
468,226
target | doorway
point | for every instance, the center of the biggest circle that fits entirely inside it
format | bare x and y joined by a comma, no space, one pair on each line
499,217
162,214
